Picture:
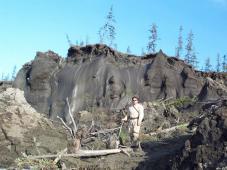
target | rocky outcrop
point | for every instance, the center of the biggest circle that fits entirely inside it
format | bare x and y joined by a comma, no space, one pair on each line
98,76
206,149
24,130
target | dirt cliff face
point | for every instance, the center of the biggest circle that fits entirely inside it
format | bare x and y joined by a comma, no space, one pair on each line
207,148
24,130
97,76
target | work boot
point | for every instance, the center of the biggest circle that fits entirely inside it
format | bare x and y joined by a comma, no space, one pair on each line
136,146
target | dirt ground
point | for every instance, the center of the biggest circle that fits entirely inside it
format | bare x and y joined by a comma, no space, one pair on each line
156,154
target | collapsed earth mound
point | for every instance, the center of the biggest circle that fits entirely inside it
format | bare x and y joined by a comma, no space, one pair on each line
207,148
25,131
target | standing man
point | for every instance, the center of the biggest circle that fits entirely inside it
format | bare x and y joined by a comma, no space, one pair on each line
135,117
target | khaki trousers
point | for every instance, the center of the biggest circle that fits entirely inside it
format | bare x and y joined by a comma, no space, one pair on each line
134,130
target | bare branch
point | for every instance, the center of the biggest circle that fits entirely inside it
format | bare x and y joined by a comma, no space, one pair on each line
66,126
125,152
71,116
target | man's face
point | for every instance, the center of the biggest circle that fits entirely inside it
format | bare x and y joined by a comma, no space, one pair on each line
134,100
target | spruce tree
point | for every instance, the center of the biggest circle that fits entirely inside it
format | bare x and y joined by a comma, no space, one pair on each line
189,48
224,64
218,63
208,66
81,43
128,50
101,34
108,31
68,40
152,43
179,48
143,52
87,40
13,76
194,62
111,28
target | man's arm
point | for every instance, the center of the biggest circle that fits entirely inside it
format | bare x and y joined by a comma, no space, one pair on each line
141,115
126,117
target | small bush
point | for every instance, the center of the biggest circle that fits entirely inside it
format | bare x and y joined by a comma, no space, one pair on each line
24,163
180,102
124,137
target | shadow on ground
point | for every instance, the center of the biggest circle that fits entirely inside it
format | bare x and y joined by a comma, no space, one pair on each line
158,154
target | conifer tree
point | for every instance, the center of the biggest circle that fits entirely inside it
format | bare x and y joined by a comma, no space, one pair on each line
189,48
152,43
111,28
224,64
81,43
13,76
194,62
101,35
115,46
68,40
87,40
218,63
179,48
128,50
143,52
108,31
208,66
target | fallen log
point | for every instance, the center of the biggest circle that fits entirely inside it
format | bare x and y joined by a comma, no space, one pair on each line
59,155
168,130
84,153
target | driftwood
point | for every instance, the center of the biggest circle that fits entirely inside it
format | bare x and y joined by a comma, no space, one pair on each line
85,153
168,130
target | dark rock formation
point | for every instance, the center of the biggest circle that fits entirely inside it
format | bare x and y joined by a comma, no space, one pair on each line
207,149
97,76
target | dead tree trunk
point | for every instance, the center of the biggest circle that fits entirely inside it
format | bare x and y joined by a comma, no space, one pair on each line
85,153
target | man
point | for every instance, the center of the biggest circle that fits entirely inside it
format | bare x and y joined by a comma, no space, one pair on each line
135,117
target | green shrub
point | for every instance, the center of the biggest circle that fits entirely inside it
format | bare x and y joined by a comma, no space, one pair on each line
124,137
24,163
180,102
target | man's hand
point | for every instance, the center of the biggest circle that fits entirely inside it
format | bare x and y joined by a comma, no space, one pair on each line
138,123
124,119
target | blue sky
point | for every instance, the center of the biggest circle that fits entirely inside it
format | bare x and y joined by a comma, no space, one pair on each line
28,26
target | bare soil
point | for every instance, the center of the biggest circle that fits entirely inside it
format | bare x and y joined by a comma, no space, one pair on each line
155,154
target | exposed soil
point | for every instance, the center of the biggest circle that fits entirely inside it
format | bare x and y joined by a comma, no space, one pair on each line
23,130
155,154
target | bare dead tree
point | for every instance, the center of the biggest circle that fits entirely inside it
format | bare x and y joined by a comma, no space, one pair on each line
71,116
